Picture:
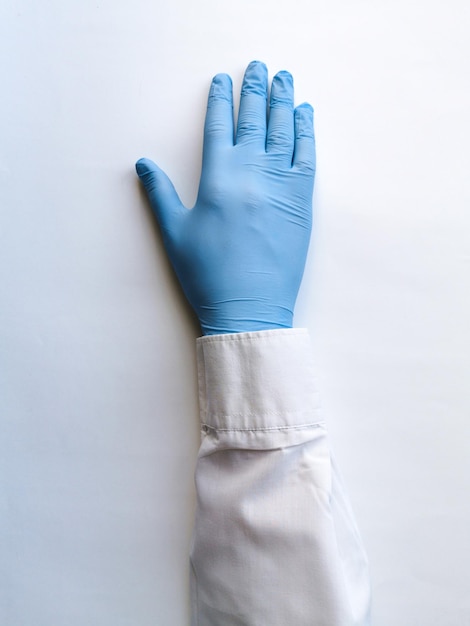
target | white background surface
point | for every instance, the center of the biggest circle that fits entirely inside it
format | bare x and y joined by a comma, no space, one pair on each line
98,428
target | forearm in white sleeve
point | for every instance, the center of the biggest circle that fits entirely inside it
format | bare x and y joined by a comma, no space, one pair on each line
275,542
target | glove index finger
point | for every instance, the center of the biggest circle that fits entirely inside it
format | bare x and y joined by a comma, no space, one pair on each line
218,127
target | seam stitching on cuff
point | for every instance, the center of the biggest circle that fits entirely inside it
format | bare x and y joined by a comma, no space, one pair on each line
207,427
249,336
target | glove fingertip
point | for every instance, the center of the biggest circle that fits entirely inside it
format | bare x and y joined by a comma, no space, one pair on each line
143,166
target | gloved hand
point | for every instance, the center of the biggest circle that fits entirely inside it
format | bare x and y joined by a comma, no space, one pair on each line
239,254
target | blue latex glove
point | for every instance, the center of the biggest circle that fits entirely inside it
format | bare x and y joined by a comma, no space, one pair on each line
239,254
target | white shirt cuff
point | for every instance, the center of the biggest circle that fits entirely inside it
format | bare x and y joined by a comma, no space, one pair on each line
257,380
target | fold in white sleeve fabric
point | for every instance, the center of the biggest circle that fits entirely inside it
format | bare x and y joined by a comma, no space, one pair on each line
275,542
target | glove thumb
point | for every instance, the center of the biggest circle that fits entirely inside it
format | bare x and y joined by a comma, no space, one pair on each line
163,198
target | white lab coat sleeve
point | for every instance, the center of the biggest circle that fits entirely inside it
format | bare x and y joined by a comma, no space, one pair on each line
275,542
